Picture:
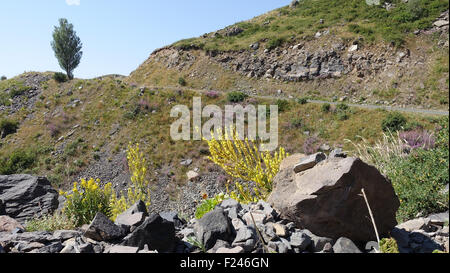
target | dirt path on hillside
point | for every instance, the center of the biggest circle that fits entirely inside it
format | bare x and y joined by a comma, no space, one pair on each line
363,106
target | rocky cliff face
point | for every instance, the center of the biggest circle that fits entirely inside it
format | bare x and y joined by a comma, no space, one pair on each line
327,65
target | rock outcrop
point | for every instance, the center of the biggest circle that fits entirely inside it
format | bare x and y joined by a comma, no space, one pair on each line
27,196
327,199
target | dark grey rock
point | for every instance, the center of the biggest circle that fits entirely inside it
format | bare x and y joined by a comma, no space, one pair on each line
66,234
25,196
219,244
173,217
345,245
2,250
156,232
230,203
52,248
133,216
300,241
337,153
309,162
213,226
317,242
327,199
103,229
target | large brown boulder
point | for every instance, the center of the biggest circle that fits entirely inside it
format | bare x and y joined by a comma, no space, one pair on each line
327,199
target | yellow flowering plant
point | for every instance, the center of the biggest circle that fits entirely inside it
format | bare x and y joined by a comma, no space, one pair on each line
242,159
86,199
140,186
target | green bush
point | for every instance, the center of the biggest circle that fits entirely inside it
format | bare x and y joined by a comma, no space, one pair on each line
274,43
342,111
8,127
419,178
18,161
283,105
326,107
60,77
208,205
236,96
388,245
302,100
85,200
182,81
393,122
3,78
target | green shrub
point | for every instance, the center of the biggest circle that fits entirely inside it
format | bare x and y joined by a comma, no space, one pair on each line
296,122
419,178
208,205
18,161
283,105
393,122
388,245
60,77
236,96
8,127
302,100
342,107
342,111
85,200
326,107
3,78
274,43
182,81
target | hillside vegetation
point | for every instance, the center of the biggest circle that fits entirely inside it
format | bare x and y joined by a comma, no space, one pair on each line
349,18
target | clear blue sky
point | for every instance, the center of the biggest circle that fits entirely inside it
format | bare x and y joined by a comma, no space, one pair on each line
117,35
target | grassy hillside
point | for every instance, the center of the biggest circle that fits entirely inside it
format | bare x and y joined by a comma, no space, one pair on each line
379,75
76,124
348,18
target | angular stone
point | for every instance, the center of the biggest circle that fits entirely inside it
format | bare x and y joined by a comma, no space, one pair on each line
244,234
156,232
52,248
415,224
317,242
234,250
103,229
64,235
219,244
173,217
26,247
300,240
327,199
440,23
212,226
258,216
123,249
345,245
337,153
309,162
27,196
8,224
230,203
191,175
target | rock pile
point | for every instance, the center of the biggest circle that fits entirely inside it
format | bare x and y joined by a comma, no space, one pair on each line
230,228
